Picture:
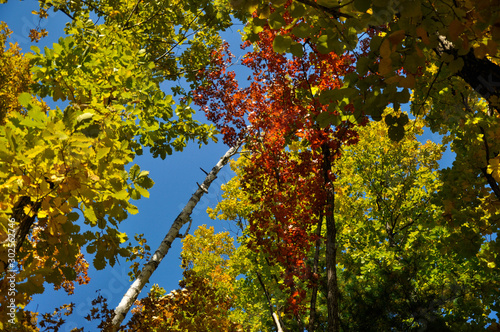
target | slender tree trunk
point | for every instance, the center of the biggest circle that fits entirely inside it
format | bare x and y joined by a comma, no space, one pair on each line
148,269
314,295
331,247
276,317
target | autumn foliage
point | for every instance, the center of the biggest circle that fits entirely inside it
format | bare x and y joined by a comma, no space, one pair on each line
277,116
345,225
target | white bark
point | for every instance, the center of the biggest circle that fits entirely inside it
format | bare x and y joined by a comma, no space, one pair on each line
148,269
277,322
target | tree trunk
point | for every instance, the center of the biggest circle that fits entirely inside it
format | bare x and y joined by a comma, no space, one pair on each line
276,319
148,269
315,269
331,246
483,76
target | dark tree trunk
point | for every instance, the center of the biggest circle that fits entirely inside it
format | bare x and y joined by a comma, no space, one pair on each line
483,76
331,246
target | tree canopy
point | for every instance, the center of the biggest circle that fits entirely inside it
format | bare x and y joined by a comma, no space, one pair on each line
345,219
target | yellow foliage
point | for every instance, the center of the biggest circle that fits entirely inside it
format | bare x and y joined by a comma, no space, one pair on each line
494,168
15,76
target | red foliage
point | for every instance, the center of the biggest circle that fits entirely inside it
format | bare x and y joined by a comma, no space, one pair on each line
280,106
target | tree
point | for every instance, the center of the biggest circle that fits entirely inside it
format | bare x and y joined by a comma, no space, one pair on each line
455,35
206,296
55,162
173,233
321,243
282,107
401,264
15,77
447,54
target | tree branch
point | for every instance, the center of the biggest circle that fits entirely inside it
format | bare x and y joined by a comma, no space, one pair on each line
269,303
481,74
315,269
334,11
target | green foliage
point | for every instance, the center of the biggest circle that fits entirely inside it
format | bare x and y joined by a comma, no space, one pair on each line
65,167
393,42
402,264
207,295
417,246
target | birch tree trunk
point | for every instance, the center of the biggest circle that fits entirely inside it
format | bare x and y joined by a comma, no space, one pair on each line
148,269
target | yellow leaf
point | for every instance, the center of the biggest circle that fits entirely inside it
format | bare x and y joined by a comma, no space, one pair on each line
27,210
494,168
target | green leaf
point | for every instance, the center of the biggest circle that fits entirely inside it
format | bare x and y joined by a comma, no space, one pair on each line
362,5
135,194
297,49
57,48
396,133
303,30
297,10
276,20
84,116
73,216
134,171
391,120
99,262
91,248
326,119
281,43
403,96
362,65
35,49
456,65
24,99
403,119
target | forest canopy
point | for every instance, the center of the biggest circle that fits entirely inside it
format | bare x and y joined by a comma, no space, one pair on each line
343,218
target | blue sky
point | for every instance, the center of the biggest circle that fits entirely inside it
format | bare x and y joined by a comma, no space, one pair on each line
175,181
